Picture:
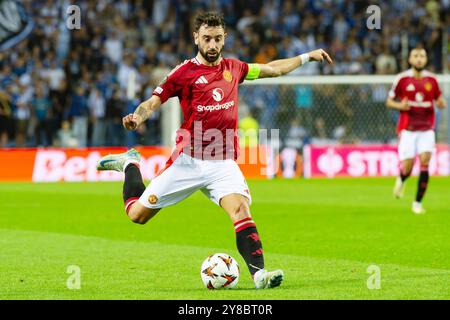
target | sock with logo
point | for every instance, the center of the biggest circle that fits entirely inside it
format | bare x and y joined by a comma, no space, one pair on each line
423,183
249,244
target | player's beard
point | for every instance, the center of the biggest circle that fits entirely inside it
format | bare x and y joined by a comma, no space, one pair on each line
419,69
210,57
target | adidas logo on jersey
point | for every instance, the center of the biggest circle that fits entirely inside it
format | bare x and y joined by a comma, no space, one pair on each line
410,87
202,80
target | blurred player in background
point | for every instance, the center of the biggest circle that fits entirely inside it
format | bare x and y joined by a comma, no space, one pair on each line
417,89
205,152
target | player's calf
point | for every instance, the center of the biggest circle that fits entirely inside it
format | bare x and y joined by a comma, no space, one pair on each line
422,186
247,238
423,182
406,169
236,206
133,188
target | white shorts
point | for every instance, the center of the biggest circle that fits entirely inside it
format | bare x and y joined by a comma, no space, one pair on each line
415,142
215,178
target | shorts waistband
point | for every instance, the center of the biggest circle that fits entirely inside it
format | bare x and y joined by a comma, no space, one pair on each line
201,156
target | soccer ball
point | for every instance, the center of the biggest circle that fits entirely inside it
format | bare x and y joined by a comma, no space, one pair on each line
219,271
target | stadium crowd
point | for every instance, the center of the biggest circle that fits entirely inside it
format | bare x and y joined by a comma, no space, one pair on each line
62,87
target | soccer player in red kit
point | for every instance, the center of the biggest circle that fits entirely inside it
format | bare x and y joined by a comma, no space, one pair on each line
417,89
206,144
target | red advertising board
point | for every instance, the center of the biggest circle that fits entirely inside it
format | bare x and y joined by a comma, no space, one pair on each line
54,164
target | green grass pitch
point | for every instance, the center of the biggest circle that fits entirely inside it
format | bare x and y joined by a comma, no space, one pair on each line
323,233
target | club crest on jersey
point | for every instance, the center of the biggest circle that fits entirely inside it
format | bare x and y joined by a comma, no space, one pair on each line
227,76
217,94
428,86
410,87
152,199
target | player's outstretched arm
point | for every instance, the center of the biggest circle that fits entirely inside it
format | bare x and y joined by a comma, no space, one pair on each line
280,67
133,120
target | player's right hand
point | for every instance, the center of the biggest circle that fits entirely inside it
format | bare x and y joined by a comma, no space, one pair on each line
403,106
131,121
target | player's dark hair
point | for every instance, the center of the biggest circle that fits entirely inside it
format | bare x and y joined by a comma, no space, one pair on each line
211,19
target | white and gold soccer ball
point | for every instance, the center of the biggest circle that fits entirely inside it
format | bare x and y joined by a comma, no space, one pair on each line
219,271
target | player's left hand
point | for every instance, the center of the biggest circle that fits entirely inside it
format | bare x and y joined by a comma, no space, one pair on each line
319,55
441,103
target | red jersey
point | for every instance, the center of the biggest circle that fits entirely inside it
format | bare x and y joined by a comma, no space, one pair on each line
209,100
421,94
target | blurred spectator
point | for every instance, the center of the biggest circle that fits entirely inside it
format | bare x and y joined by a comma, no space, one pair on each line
265,98
5,118
78,112
114,114
304,102
114,47
22,116
297,135
97,107
345,114
54,75
319,129
386,63
42,114
60,101
6,76
340,27
285,110
66,138
149,38
126,71
290,18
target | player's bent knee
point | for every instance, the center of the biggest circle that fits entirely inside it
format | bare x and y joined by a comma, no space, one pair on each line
138,219
140,214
